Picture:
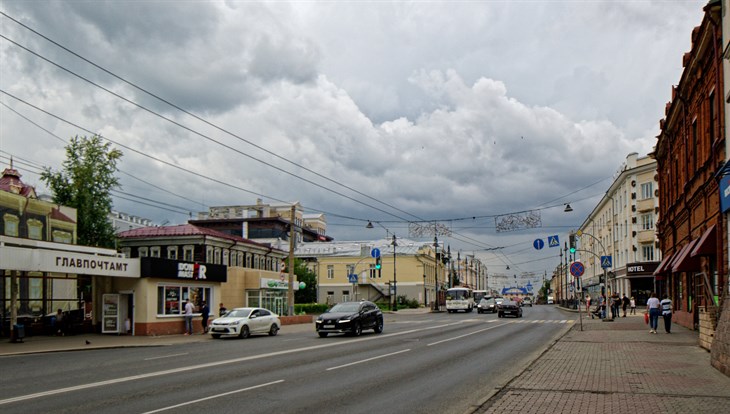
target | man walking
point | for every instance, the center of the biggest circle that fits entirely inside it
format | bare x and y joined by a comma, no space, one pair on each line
205,313
666,305
189,309
624,304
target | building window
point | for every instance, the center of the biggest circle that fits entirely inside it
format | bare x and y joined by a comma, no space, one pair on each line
647,221
330,297
171,298
217,256
330,271
209,254
647,252
713,116
373,272
35,229
11,224
172,252
350,269
647,190
60,236
155,251
345,295
142,251
225,258
188,253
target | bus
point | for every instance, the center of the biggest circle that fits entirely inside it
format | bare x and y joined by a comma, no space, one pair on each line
459,298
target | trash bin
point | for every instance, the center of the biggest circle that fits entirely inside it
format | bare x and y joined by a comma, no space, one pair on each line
18,333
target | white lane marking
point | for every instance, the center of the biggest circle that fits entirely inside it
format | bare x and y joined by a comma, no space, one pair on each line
534,322
367,360
210,364
470,333
166,356
213,396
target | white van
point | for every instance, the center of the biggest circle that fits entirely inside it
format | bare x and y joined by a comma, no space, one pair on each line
551,300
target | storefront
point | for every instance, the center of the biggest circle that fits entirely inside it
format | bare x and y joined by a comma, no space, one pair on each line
641,281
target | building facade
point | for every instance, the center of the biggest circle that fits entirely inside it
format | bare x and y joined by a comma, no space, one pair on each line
690,152
622,226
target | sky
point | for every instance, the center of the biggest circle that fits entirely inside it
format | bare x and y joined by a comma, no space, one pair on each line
433,114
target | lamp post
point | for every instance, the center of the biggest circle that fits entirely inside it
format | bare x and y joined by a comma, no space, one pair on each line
436,271
395,280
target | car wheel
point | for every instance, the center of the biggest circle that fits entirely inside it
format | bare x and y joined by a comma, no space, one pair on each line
357,330
245,333
215,336
274,330
378,326
322,334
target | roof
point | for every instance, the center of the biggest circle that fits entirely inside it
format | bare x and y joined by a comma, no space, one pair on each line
11,182
180,231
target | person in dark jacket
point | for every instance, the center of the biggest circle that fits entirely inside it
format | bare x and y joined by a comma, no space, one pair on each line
624,304
205,313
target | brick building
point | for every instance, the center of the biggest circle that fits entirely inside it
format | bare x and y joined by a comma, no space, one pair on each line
690,151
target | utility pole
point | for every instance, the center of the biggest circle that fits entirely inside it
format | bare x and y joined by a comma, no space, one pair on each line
290,289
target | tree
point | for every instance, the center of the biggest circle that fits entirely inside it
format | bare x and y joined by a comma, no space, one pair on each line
85,183
309,293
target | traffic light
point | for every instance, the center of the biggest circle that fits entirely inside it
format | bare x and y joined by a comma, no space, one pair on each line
378,264
571,243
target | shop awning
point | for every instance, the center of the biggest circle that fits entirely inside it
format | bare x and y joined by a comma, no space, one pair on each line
685,262
707,244
663,266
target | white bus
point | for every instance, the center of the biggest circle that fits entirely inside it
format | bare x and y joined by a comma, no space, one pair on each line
459,298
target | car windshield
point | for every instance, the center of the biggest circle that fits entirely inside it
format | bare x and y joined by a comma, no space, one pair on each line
238,313
345,307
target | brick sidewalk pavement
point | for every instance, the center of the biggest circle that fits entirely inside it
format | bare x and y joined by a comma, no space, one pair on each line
617,367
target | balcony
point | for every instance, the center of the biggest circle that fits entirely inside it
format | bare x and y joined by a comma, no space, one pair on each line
645,205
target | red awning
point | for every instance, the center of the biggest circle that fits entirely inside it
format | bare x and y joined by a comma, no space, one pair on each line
707,245
662,268
685,262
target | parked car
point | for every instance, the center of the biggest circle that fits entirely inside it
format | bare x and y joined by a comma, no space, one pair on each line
487,305
550,300
350,318
509,307
243,322
527,301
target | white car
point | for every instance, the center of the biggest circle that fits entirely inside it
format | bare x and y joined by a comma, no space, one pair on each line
242,322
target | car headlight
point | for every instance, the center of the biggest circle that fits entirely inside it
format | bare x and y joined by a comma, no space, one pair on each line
318,321
344,320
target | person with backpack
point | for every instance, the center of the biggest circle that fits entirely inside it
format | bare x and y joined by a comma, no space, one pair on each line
666,305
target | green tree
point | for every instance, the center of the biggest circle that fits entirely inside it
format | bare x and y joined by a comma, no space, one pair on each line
85,183
309,293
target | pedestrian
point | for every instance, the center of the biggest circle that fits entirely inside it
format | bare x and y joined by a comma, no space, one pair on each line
653,308
205,313
588,305
624,304
222,310
602,305
60,323
632,305
189,309
666,305
615,304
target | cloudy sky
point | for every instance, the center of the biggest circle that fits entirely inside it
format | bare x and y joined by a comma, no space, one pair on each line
396,112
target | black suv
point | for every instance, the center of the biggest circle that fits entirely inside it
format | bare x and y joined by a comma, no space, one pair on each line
350,318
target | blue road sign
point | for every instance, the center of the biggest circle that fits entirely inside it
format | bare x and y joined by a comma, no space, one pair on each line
352,278
606,262
538,244
553,241
375,253
577,269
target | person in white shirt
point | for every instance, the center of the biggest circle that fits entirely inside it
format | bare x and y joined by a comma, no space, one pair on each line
653,308
189,309
666,305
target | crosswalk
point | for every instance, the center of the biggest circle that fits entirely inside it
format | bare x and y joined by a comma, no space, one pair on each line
557,321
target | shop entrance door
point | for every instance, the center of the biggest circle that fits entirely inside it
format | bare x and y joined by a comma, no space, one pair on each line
278,305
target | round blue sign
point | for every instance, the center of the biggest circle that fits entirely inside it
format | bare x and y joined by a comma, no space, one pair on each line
538,244
375,253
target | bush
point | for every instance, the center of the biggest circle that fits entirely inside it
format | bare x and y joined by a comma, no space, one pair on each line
310,308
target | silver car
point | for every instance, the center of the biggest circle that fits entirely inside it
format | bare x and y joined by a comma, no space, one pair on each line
243,322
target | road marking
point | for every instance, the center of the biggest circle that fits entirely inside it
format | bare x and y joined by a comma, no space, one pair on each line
214,396
166,356
210,364
367,360
465,335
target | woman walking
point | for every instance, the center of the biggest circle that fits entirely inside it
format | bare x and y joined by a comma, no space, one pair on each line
653,308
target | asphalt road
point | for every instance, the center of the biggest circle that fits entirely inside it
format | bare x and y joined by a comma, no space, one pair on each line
425,363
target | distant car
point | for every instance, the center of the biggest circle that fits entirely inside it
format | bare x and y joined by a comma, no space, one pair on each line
509,307
550,300
527,302
499,299
350,318
487,305
243,322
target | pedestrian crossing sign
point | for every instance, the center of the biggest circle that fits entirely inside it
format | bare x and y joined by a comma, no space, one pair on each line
553,241
606,262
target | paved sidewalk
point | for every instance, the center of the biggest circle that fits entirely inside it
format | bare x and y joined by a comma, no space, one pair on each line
617,367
